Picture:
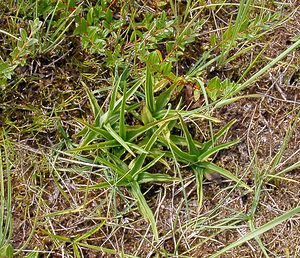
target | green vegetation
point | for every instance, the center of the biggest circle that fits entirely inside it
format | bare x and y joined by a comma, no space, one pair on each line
109,98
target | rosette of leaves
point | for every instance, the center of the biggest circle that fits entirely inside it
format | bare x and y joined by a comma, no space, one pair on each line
123,148
198,155
131,151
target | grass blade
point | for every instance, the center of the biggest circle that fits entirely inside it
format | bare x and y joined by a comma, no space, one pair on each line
140,160
150,102
288,169
217,136
102,185
164,97
96,109
190,142
115,168
96,146
6,248
265,69
134,132
216,149
278,157
90,232
181,141
146,177
212,167
151,163
264,228
122,129
183,156
199,173
143,207
118,139
95,129
258,240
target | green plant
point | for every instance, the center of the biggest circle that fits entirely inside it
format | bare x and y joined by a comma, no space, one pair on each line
24,47
117,142
6,249
124,149
257,232
37,36
133,61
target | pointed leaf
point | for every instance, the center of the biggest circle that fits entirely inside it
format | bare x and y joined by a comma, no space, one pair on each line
190,142
115,168
90,232
98,131
122,129
262,229
150,102
102,185
96,146
134,132
183,156
140,160
97,112
199,173
216,149
118,139
212,167
163,99
151,163
181,141
146,177
143,207
217,136
129,93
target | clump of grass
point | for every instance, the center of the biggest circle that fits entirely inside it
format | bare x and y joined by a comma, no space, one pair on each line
124,149
6,220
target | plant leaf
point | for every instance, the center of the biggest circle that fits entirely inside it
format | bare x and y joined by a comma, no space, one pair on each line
183,156
190,142
122,129
163,99
255,233
96,130
95,146
199,173
115,168
134,132
216,149
217,136
146,177
96,109
151,163
143,207
118,139
90,232
150,101
212,167
134,171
